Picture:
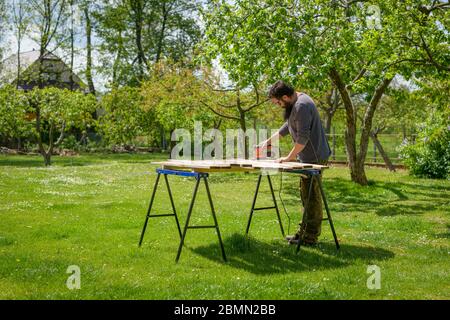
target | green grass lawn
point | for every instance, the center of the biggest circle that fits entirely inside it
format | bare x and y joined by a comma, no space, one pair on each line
89,210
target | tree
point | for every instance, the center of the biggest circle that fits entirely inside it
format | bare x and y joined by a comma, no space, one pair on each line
47,16
316,41
74,27
14,111
137,34
137,12
424,28
329,103
172,95
429,154
178,30
123,119
115,55
2,26
57,111
88,24
21,24
235,103
400,109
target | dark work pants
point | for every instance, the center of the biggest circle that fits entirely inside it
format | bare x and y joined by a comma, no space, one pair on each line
313,221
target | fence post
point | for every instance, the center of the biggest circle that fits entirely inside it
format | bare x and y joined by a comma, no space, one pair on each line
334,143
163,139
374,153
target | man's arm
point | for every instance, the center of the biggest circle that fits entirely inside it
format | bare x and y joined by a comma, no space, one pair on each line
293,154
284,130
302,124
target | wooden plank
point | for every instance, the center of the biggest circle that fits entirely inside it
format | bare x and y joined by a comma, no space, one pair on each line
236,164
295,164
195,163
241,162
229,170
180,165
206,169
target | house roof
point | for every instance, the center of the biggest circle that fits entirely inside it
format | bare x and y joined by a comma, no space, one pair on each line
8,68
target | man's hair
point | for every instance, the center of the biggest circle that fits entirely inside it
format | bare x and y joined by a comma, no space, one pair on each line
280,89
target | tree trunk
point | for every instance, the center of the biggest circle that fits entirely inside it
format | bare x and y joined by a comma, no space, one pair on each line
47,159
138,8
89,50
328,119
333,105
44,40
356,160
72,44
163,140
47,154
19,43
242,122
117,59
161,34
356,163
218,124
357,173
244,129
368,117
380,148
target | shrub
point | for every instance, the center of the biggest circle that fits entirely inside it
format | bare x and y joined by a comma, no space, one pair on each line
430,156
123,119
70,142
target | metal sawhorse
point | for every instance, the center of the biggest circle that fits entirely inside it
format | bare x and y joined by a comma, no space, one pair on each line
198,176
314,174
275,206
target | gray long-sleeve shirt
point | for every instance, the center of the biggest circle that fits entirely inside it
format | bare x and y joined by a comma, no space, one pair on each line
305,128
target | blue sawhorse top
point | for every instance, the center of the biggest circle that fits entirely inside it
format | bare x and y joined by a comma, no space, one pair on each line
182,173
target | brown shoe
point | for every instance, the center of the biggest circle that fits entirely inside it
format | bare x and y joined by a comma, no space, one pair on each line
299,234
292,237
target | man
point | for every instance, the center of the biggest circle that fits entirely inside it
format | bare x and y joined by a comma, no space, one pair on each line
310,146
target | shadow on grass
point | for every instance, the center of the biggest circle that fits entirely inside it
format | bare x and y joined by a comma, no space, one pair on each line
277,257
444,235
21,163
33,161
410,199
38,162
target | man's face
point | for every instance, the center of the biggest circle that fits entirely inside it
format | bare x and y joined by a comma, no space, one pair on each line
284,102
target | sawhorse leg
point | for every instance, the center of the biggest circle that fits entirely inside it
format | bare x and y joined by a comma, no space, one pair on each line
275,206
328,214
191,206
316,176
148,216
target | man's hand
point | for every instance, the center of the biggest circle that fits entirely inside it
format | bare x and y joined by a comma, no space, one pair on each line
293,154
283,159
